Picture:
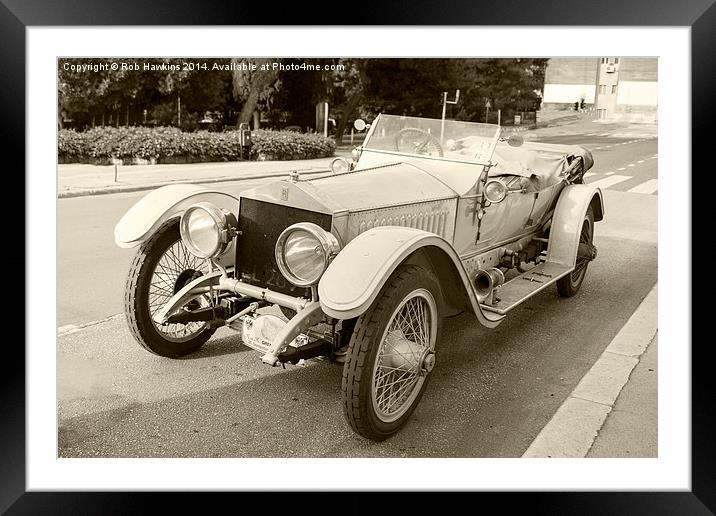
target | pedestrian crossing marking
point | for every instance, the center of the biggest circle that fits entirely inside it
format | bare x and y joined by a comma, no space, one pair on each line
610,181
647,187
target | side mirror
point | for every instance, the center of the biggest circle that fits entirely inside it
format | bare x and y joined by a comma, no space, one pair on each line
359,124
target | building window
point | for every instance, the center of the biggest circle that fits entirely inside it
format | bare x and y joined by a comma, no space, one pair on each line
604,60
601,113
616,60
614,88
602,88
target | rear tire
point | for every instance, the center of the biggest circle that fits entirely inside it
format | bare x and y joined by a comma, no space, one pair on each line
161,267
570,284
391,354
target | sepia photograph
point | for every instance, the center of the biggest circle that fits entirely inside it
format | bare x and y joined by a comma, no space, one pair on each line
357,257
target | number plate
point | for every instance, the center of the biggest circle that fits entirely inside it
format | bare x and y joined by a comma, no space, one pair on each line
259,332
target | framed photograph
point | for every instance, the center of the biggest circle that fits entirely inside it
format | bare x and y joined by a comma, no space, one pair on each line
268,238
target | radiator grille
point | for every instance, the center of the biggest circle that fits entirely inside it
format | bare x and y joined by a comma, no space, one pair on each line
260,224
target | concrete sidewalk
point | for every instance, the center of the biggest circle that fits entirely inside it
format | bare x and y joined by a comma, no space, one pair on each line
631,428
613,411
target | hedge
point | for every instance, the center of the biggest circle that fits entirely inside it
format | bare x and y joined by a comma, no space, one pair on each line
131,145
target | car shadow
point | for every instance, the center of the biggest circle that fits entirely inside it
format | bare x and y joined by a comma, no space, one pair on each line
216,347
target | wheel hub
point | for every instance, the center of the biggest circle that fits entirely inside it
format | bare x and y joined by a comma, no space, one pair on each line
407,355
402,353
427,362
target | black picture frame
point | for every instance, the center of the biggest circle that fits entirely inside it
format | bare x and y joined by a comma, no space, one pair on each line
17,15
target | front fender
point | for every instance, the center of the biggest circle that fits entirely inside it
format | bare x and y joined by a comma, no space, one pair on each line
162,204
572,206
356,276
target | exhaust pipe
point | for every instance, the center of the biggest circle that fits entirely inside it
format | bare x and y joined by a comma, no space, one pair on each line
486,281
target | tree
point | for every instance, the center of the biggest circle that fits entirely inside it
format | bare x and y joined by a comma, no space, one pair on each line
252,86
350,82
512,85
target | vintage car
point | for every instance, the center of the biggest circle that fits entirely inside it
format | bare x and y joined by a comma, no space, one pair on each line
361,265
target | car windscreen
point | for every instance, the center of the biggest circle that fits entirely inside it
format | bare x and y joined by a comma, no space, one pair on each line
450,139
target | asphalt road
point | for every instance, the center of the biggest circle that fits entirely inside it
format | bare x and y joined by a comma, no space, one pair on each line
491,392
91,269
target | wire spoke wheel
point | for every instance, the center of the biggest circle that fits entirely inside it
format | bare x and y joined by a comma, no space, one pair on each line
161,268
392,353
570,284
585,237
407,343
175,268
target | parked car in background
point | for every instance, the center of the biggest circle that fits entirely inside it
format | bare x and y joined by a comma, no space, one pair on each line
362,266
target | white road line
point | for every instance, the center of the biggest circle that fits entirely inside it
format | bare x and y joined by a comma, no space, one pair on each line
647,187
589,174
605,134
609,181
72,328
622,168
609,173
640,161
597,148
575,426
630,165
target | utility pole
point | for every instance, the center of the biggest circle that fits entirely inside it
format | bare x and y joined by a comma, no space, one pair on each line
445,103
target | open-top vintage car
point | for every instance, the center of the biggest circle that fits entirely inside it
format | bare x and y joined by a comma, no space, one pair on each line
361,266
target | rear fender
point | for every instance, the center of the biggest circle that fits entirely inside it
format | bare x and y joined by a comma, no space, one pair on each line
572,206
356,276
154,209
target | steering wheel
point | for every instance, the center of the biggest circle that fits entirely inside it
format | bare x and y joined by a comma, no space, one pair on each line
412,140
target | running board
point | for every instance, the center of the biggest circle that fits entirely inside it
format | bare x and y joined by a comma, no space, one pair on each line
526,285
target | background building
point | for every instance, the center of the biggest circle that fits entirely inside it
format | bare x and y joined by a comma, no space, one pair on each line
615,88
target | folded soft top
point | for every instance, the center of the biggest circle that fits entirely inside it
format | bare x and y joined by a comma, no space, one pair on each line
546,161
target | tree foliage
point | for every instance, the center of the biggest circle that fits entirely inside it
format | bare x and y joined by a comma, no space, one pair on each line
287,94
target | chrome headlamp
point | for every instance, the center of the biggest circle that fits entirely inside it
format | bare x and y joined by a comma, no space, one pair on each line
304,251
207,230
495,191
340,166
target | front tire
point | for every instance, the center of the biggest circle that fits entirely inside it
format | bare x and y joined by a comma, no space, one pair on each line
161,267
391,354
